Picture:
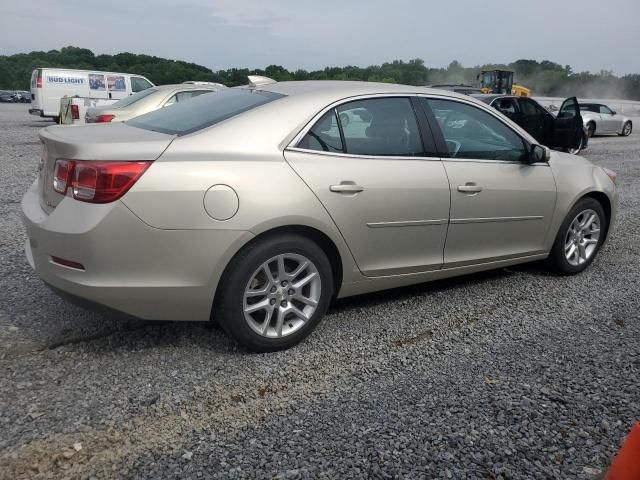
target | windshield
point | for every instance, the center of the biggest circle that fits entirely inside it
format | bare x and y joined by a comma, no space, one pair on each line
203,111
125,102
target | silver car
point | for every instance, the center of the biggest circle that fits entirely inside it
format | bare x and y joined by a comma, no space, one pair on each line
148,100
600,119
255,207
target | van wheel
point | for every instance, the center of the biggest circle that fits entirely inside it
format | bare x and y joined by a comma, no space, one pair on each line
274,293
579,238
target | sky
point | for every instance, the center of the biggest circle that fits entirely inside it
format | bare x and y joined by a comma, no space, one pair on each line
589,35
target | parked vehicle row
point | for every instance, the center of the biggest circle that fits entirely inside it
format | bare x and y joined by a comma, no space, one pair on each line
15,96
257,206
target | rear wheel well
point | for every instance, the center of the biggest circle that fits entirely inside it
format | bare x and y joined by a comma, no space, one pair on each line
313,234
593,124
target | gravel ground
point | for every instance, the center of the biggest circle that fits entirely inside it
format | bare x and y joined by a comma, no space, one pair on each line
514,373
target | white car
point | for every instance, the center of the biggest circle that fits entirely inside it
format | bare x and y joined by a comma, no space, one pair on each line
599,119
147,101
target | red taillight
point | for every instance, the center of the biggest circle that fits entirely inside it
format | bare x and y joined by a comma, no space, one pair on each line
104,182
62,175
75,112
39,79
104,118
97,181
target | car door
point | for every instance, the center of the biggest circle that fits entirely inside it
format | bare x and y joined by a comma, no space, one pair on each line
568,127
532,119
501,206
379,178
610,122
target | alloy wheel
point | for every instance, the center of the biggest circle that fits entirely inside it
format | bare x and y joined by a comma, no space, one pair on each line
282,295
582,237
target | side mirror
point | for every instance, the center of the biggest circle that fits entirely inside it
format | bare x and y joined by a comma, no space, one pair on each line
613,112
539,153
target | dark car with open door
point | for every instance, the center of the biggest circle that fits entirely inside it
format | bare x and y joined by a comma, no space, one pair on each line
565,131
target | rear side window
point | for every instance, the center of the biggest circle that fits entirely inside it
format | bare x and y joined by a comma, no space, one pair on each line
188,117
324,136
380,126
183,96
125,102
530,108
377,127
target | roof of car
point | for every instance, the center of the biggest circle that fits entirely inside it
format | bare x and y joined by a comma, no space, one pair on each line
343,87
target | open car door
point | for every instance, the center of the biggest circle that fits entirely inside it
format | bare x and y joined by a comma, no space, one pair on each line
568,128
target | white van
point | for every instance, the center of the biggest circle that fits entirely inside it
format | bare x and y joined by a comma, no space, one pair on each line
49,85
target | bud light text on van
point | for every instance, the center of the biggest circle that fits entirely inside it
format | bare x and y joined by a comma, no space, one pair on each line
72,80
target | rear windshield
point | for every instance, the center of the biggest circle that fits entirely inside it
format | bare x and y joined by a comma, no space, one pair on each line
203,111
125,102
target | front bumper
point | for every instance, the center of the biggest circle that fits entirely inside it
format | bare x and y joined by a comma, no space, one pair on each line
146,272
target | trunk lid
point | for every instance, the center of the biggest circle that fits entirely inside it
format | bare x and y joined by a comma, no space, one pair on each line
116,141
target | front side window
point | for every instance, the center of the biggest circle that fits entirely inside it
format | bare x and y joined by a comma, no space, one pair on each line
606,110
471,133
138,84
507,106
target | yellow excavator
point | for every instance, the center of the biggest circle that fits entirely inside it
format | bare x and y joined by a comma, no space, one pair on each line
501,81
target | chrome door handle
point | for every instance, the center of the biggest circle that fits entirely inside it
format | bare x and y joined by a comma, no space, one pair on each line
346,188
470,188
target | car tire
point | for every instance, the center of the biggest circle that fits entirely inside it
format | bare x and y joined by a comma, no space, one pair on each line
579,238
626,129
591,129
282,319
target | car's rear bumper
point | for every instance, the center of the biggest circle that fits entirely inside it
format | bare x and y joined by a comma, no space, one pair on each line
130,267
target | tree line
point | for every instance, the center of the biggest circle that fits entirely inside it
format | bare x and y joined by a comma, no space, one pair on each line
545,78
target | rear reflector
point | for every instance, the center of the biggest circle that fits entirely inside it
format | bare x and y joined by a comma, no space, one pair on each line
104,118
75,112
67,263
97,181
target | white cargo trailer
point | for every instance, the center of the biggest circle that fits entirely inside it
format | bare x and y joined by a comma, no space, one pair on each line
49,85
